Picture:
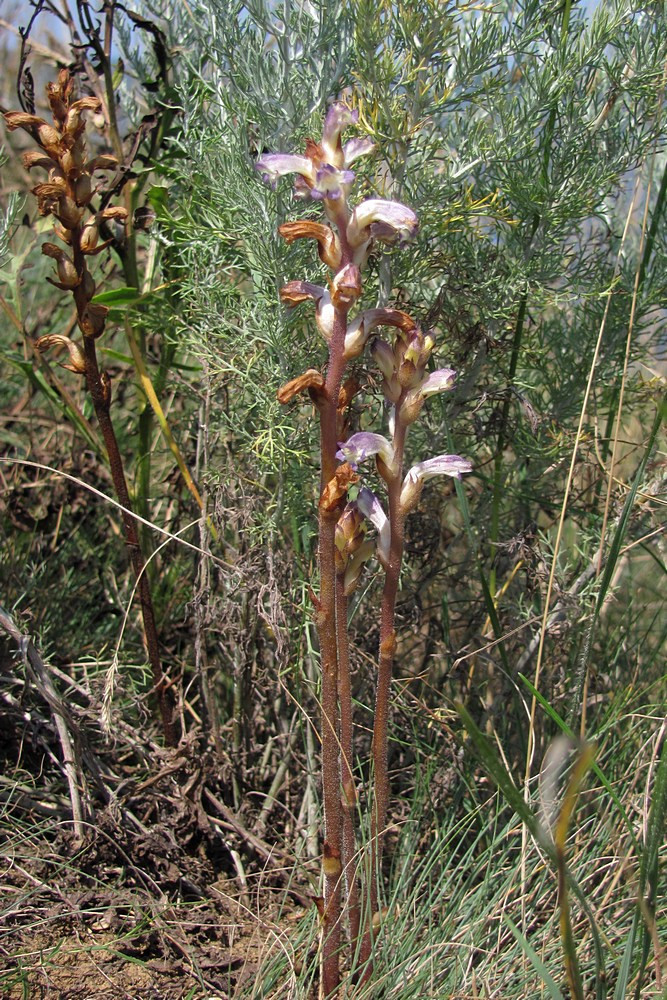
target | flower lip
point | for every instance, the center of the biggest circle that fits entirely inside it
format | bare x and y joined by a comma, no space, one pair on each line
441,465
328,242
330,182
274,165
388,221
362,445
296,291
440,380
355,148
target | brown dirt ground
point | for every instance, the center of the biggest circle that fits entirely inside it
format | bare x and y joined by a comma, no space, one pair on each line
158,914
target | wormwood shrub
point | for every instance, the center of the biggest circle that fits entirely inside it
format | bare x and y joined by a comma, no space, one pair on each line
527,139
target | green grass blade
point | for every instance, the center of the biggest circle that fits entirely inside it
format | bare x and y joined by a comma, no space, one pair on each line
535,961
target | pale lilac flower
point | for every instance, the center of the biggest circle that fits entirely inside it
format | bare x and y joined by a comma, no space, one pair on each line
355,148
274,165
441,465
318,180
438,381
362,445
370,507
323,172
330,182
387,221
339,116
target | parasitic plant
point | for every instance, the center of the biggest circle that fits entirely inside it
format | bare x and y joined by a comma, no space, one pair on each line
67,194
401,351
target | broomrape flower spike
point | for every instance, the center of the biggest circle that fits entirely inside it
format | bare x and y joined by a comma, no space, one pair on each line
344,242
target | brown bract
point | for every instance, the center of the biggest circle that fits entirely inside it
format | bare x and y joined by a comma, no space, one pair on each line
328,242
337,488
311,380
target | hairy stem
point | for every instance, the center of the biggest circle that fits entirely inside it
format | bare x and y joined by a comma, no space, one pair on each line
348,855
327,633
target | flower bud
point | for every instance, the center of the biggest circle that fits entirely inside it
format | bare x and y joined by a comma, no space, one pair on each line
346,287
69,213
73,159
93,320
49,139
88,284
348,536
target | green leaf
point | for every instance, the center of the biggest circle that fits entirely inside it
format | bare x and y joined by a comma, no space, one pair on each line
536,961
119,298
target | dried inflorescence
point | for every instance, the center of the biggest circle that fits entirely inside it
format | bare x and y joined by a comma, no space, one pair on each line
67,194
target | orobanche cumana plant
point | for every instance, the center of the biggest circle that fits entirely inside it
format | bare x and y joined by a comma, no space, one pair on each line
72,184
400,351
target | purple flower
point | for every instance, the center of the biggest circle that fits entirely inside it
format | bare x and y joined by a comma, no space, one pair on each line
361,446
355,148
441,465
438,381
387,221
330,182
371,508
323,172
339,116
274,165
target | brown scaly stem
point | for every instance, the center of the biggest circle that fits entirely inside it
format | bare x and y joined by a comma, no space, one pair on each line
327,633
349,852
385,666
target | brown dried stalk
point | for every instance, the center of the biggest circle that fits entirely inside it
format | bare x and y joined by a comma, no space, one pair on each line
67,195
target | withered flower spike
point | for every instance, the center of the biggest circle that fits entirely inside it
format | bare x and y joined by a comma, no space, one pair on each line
311,380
